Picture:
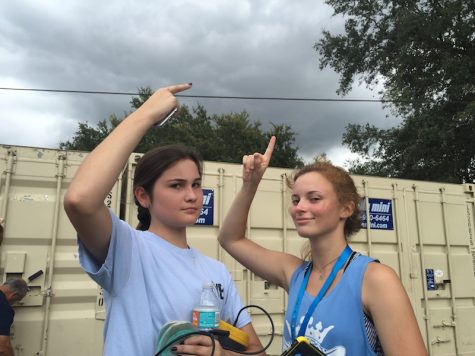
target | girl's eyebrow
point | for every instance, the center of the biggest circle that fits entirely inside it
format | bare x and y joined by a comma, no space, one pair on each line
314,192
182,180
177,180
309,193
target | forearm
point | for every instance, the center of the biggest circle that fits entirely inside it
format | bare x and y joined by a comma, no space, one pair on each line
99,171
254,341
234,224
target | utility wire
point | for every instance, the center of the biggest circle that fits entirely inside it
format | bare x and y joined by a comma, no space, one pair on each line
226,97
202,96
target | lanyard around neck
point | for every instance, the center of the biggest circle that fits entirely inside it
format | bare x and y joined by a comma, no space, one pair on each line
339,263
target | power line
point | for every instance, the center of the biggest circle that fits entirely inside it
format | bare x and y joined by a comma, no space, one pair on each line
224,97
201,96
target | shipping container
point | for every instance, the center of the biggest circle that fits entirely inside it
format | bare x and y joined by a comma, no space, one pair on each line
423,230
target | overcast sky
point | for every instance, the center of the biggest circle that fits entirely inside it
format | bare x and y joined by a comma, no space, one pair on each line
229,48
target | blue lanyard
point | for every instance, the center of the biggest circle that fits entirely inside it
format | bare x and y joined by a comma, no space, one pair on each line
339,263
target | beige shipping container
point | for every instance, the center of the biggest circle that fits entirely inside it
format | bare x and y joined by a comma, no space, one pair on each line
423,230
58,315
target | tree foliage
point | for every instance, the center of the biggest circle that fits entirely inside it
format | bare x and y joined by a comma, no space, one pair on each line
224,138
87,137
423,54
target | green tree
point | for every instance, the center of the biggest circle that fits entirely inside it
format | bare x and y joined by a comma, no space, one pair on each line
87,137
423,53
236,136
144,94
225,137
285,154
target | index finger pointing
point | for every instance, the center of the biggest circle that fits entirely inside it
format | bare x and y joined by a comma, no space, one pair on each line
178,87
270,147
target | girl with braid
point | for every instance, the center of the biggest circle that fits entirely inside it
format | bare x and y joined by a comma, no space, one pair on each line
150,275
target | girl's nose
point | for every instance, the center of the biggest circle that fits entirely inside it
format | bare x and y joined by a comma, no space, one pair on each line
191,194
301,205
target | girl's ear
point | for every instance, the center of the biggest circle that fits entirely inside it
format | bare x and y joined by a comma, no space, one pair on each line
142,197
347,210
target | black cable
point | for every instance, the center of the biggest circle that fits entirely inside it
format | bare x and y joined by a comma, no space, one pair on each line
233,97
184,336
279,98
70,91
272,332
210,334
207,96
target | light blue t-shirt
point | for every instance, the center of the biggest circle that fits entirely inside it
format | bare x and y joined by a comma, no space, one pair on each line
147,282
338,325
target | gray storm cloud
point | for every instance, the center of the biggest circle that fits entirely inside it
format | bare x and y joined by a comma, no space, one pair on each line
232,48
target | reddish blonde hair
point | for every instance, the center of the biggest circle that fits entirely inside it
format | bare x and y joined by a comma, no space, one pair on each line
343,186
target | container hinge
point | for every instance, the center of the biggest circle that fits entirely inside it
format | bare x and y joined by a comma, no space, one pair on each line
439,340
48,293
446,324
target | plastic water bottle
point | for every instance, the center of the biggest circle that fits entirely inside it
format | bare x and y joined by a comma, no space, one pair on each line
206,314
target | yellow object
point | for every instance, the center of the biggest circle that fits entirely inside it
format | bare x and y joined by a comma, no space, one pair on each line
235,334
303,339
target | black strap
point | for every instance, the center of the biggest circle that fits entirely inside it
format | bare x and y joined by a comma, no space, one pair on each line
349,260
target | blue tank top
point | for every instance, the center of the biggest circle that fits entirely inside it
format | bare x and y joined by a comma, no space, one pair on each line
337,326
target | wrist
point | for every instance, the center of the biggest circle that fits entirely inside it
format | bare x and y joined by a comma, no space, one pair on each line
141,118
249,187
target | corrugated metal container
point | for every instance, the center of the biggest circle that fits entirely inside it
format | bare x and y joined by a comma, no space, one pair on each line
423,230
431,247
58,316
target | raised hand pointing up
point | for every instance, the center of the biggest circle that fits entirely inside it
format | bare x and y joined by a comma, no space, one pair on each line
256,164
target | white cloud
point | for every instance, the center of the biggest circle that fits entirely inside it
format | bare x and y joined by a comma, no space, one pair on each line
44,122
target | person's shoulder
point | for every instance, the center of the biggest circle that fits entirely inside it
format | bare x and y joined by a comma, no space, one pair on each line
4,302
116,220
121,227
378,276
215,265
381,284
209,260
379,270
362,258
360,262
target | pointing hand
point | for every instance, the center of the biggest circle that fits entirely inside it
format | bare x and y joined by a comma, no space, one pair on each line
162,102
256,164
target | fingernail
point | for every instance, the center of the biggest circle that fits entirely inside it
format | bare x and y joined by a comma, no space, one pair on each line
190,83
173,348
